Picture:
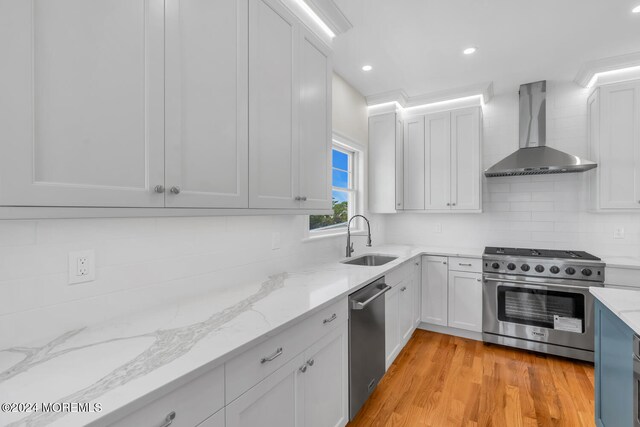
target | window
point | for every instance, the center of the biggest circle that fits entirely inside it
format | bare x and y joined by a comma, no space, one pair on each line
344,193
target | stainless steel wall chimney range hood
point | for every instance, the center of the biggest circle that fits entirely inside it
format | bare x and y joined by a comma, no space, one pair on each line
534,157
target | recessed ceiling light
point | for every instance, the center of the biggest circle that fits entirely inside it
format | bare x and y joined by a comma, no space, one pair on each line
367,68
469,50
636,9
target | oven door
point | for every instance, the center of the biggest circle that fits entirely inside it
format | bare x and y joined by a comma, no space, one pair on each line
545,312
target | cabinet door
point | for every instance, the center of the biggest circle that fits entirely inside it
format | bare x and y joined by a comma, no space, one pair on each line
437,161
392,324
82,104
326,381
273,402
465,159
315,122
207,103
434,290
405,314
414,167
465,300
613,369
416,277
620,146
273,106
382,164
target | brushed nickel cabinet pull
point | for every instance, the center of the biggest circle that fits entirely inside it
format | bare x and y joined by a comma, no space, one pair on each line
168,420
330,319
273,356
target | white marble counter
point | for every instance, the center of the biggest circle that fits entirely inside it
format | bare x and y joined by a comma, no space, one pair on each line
623,303
127,363
622,262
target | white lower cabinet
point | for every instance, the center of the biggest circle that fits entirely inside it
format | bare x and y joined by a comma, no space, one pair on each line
465,300
452,292
325,384
405,308
434,290
402,309
273,402
311,389
392,324
191,404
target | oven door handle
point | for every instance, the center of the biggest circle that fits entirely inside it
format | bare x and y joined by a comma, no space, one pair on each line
535,285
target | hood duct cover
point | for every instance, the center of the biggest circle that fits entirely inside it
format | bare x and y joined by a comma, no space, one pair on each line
534,157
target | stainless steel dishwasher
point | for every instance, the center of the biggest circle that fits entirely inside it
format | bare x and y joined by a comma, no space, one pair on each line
366,342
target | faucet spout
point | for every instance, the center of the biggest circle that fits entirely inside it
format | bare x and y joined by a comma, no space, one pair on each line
349,244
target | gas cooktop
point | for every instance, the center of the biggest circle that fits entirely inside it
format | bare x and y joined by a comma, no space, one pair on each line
541,253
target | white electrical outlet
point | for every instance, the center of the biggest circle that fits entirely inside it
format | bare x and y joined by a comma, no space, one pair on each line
438,228
82,266
618,233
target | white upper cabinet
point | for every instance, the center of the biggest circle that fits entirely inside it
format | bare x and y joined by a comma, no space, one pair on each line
437,152
465,159
273,106
414,163
207,103
82,104
614,137
315,122
442,161
289,105
162,103
385,163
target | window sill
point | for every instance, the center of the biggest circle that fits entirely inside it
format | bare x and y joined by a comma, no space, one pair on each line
321,236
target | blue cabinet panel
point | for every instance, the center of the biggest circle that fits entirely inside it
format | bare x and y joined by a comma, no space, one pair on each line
613,370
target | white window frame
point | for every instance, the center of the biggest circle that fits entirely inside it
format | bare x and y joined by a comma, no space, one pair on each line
358,156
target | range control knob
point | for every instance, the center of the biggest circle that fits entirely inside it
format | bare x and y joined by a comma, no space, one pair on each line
495,265
554,270
570,271
511,266
525,267
587,271
539,268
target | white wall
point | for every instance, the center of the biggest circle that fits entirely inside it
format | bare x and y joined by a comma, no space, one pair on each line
545,211
146,262
350,116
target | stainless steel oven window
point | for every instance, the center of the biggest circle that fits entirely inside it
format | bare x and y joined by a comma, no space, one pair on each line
537,307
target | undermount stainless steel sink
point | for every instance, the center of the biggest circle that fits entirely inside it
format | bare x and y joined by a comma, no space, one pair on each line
371,260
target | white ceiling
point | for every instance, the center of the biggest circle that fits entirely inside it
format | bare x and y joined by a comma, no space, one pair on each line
416,45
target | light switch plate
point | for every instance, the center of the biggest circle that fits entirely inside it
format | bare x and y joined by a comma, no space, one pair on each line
82,266
275,241
618,233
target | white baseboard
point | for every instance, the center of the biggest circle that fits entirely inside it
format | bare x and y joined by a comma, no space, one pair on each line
451,331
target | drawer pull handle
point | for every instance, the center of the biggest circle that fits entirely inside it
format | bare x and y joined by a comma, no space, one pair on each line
464,264
330,319
303,368
310,362
272,357
404,288
168,420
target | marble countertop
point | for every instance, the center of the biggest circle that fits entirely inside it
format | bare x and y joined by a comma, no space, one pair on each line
127,363
624,303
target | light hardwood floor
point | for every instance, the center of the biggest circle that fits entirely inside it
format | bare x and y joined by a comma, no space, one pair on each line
440,380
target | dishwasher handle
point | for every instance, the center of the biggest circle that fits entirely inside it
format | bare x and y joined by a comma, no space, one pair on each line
360,305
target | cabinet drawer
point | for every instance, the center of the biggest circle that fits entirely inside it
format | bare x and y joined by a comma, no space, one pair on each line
255,364
473,265
192,403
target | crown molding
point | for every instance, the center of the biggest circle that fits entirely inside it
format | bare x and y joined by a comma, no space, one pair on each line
331,14
589,71
401,98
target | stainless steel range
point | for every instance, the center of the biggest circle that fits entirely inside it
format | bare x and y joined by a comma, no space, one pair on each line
538,299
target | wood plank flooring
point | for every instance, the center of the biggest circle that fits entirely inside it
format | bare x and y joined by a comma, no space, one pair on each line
440,380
